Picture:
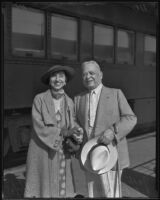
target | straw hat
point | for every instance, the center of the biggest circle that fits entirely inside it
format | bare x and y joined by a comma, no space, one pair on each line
56,68
98,158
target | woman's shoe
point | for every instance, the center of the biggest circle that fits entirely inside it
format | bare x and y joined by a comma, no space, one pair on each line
79,196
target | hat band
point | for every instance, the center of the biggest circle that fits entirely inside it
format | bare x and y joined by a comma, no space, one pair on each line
99,144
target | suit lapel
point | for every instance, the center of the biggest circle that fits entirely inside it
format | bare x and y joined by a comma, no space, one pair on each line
103,115
103,107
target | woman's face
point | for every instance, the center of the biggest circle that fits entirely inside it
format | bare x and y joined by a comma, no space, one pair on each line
57,80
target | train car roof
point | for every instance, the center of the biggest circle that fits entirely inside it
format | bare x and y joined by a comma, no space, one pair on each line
149,8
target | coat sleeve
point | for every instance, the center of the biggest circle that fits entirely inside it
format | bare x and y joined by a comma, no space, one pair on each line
127,118
48,134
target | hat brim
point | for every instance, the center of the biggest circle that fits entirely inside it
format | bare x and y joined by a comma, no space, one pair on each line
56,68
85,160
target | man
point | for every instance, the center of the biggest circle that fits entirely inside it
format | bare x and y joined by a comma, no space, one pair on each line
104,112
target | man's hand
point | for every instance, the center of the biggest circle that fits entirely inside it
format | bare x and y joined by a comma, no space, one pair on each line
107,137
78,135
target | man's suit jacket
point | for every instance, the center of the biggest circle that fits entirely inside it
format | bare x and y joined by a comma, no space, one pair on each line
113,112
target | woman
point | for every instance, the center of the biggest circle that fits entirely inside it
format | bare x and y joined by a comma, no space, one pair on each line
48,165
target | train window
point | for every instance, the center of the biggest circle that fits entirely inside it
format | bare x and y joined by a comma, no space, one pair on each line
103,43
64,37
150,50
125,47
27,32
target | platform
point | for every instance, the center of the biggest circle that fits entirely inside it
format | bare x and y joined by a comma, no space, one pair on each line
138,181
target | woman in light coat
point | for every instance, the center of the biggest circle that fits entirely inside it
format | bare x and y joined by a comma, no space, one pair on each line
49,172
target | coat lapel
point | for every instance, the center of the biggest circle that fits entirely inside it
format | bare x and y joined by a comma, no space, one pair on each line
50,109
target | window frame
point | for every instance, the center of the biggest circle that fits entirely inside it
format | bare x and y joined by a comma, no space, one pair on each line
17,54
93,44
153,36
116,45
77,20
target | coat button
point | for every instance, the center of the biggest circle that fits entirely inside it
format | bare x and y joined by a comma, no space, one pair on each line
62,192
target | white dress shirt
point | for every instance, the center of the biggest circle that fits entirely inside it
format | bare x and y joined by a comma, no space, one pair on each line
93,103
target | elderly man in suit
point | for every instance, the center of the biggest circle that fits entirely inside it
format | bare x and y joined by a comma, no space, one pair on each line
104,112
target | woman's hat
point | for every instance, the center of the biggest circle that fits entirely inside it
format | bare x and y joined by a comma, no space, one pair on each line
56,68
98,158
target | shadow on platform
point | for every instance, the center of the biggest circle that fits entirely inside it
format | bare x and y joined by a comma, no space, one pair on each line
13,187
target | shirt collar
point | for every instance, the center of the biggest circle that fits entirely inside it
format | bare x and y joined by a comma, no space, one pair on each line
97,89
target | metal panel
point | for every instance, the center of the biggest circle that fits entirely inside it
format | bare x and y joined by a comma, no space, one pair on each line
86,35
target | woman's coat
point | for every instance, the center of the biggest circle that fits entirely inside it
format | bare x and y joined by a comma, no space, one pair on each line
42,160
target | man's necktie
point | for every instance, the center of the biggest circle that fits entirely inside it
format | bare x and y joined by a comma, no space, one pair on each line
92,108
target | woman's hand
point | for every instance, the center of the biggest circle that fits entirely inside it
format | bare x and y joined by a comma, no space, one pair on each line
67,132
75,132
71,146
64,132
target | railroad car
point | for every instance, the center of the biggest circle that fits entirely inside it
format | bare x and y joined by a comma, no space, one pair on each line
121,37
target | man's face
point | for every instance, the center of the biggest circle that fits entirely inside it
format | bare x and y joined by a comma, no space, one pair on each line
58,80
91,75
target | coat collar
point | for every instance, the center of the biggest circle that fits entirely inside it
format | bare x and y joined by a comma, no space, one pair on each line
48,101
47,98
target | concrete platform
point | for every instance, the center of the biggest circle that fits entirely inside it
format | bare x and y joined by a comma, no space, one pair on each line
138,181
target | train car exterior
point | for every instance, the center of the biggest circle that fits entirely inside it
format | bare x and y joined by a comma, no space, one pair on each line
118,36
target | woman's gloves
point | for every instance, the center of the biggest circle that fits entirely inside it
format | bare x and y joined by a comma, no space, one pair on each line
75,132
72,139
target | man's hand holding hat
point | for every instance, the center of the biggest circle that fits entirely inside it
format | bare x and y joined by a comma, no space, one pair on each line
107,137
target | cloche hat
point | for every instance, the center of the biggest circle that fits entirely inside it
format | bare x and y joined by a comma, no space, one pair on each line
98,158
56,68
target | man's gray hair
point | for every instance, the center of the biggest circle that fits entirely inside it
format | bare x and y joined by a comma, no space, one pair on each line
91,62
